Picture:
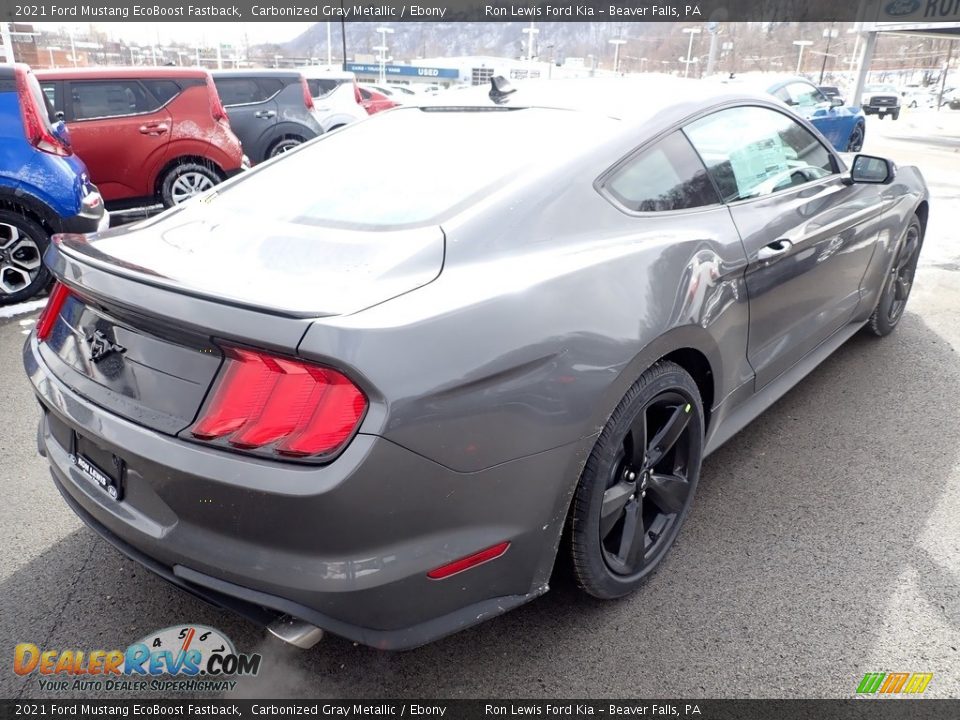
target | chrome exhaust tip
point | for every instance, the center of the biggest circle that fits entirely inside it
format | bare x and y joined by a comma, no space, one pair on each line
295,632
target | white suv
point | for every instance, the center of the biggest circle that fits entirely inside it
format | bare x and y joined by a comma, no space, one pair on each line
336,97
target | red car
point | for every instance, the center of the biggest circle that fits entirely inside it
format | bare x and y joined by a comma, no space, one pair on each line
374,101
146,134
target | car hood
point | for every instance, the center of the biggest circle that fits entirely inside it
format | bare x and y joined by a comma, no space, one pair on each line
288,268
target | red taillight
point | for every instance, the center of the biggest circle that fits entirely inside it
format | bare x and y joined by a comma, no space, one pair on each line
478,558
284,406
307,97
51,311
217,110
36,130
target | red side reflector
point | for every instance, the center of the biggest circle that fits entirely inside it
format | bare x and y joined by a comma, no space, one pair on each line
478,558
51,311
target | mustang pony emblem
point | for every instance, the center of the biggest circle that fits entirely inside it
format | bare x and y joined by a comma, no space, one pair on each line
101,346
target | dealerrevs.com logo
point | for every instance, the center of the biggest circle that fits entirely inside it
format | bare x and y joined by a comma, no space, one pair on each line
185,658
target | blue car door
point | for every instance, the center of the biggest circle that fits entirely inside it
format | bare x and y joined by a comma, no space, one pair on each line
807,101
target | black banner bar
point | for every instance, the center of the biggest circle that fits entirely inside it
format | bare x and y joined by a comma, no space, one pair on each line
859,709
939,11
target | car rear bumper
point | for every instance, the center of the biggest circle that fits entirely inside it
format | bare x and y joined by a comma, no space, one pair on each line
346,547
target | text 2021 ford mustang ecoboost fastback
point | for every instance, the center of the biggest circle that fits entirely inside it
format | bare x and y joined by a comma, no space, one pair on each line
375,406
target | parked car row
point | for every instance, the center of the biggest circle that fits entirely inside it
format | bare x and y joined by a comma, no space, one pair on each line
77,141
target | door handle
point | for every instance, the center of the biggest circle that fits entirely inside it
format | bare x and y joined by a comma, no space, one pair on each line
774,249
264,114
154,129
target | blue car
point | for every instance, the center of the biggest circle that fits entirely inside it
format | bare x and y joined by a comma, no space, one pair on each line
44,187
843,126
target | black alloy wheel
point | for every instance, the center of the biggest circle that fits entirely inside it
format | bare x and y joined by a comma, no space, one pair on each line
638,483
899,282
855,143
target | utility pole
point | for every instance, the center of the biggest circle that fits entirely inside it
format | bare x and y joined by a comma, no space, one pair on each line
686,65
329,46
617,42
829,35
530,32
7,42
714,29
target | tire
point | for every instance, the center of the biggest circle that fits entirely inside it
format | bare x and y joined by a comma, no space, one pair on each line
183,181
22,245
855,141
895,115
898,282
287,142
620,485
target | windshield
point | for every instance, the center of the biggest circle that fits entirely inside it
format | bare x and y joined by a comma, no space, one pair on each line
881,88
406,167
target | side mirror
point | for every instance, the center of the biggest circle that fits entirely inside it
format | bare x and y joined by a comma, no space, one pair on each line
872,170
836,101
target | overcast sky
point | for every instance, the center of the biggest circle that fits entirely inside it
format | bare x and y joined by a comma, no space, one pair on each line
144,33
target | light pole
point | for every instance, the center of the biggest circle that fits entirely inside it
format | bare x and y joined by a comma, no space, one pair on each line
329,46
50,50
73,49
530,32
382,49
691,31
617,42
829,34
801,44
276,60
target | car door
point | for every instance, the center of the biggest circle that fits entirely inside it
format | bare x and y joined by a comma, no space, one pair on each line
251,105
808,235
119,130
809,102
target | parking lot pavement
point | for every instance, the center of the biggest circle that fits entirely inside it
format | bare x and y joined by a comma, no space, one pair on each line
824,543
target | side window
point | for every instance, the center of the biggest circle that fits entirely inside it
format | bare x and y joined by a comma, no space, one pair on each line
269,87
163,90
239,91
365,94
50,92
321,87
109,98
666,176
804,95
755,151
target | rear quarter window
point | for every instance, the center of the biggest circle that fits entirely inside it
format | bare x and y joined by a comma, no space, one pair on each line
320,87
163,90
666,176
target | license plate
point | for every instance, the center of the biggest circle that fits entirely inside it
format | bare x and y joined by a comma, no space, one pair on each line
111,485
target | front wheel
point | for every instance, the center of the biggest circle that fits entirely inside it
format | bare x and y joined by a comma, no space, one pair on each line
22,244
898,283
638,483
185,180
855,143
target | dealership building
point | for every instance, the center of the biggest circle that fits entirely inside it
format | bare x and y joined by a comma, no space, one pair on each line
471,70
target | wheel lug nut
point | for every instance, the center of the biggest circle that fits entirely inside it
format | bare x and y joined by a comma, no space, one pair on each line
632,476
643,494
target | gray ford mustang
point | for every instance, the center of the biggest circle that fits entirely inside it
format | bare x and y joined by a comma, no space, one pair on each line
377,405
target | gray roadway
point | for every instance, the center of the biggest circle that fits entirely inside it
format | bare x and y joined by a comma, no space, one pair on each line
824,541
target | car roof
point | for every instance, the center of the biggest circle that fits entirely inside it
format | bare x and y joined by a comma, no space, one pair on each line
95,73
637,98
319,73
764,82
257,73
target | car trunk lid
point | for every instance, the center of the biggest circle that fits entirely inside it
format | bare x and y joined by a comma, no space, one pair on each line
287,268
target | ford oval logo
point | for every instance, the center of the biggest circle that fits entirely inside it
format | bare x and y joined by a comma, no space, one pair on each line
902,7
